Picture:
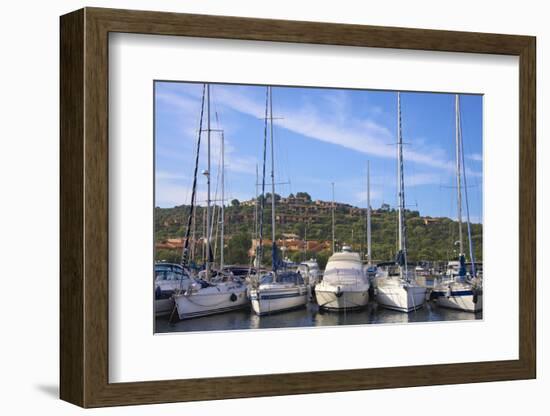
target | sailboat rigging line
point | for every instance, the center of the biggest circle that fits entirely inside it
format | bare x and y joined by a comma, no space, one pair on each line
458,178
273,245
401,191
185,252
470,241
215,210
333,221
259,253
369,245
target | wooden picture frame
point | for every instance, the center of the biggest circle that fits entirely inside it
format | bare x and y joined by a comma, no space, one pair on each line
84,207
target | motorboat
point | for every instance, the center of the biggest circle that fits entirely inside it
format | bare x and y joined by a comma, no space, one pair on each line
170,278
345,284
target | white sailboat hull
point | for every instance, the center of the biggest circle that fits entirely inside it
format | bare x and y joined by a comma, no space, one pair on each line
211,300
342,297
459,296
463,303
401,297
271,300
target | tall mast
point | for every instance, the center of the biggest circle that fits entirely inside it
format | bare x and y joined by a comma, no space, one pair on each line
305,243
458,179
190,220
470,242
223,202
369,251
204,235
256,260
208,187
333,236
259,254
273,247
194,238
401,190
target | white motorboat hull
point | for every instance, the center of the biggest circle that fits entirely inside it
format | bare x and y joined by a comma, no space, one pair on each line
209,302
333,297
458,296
401,298
271,300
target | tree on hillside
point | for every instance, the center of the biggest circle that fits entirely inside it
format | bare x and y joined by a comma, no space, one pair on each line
235,202
303,195
169,256
268,197
237,248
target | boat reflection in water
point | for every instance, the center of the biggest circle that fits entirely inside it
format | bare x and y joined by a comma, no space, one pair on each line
311,316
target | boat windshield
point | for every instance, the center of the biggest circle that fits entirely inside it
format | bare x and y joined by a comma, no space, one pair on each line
169,272
344,276
283,277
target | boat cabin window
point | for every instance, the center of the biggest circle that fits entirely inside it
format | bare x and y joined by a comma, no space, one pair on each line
266,279
169,273
284,277
295,278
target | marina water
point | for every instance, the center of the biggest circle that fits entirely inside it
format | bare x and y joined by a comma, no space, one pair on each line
312,316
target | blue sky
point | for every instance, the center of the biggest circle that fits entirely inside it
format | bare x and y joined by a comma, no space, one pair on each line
321,136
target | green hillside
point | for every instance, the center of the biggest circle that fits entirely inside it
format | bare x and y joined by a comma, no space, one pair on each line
428,239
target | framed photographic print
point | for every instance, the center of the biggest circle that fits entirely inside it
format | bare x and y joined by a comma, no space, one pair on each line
260,207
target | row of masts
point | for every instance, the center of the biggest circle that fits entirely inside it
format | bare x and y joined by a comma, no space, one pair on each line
460,178
209,216
268,120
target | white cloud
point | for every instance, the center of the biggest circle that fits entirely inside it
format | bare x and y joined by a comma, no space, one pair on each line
375,194
169,194
338,127
418,179
164,175
476,157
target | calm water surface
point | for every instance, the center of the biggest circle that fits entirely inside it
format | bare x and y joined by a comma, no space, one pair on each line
312,316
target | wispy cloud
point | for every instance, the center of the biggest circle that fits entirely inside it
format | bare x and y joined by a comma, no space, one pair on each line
419,179
375,195
171,194
336,127
164,175
476,157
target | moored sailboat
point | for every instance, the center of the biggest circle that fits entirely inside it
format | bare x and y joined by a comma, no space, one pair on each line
402,292
217,292
279,290
170,278
458,290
